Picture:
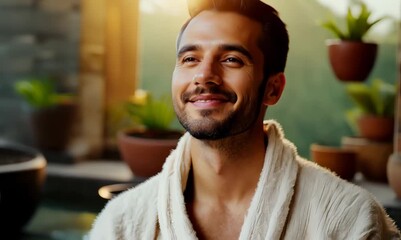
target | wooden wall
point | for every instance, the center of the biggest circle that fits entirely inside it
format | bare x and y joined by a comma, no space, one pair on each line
109,50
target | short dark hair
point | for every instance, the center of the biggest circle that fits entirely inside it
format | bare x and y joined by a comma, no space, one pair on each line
274,41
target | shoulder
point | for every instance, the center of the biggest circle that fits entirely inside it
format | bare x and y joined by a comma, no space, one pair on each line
340,204
321,182
128,212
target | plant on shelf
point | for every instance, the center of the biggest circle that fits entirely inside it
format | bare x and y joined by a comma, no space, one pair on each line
150,113
145,146
372,118
41,93
350,57
357,26
53,113
373,114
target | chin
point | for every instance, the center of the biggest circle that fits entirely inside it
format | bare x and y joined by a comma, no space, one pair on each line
204,135
206,129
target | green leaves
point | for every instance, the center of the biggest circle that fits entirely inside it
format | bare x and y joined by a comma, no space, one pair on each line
331,26
37,93
357,25
152,113
376,99
40,93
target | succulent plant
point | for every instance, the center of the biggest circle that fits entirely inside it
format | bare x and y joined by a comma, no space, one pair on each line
357,25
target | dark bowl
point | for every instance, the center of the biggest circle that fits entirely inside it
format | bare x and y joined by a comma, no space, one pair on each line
22,176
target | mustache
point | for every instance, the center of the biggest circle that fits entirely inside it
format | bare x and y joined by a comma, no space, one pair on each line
229,95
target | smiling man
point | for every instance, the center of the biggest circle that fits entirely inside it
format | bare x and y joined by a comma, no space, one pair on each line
218,77
234,175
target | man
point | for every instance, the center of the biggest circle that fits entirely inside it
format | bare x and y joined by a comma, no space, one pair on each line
232,176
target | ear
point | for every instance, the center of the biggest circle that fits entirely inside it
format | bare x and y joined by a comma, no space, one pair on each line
274,88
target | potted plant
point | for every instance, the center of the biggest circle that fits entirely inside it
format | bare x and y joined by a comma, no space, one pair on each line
146,145
339,160
373,114
350,57
373,120
52,114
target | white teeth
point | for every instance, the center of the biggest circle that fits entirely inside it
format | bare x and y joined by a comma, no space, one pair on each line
204,100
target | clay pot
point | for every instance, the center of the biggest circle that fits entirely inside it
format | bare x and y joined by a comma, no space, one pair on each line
351,60
146,151
52,127
394,173
339,160
22,176
376,128
372,156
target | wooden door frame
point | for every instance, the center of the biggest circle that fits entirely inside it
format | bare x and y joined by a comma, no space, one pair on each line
108,67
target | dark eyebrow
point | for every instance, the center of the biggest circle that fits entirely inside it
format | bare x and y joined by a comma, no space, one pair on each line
187,48
223,47
237,48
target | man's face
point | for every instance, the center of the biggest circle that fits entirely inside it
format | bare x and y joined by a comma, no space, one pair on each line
218,76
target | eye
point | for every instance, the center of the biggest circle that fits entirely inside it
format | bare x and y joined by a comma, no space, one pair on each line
233,61
188,59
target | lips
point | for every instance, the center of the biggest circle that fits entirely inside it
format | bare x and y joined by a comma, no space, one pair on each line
208,101
208,98
202,95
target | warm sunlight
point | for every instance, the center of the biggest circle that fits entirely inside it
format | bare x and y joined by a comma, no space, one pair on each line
173,7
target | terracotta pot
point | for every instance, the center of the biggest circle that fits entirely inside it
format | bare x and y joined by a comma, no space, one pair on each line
145,156
350,60
372,156
52,127
22,177
376,128
394,173
339,160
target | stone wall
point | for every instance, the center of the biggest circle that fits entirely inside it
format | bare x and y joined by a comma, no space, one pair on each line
37,38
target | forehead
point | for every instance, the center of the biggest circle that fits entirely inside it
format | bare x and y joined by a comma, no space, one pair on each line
214,27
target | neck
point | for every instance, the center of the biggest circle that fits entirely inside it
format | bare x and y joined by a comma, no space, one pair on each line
227,170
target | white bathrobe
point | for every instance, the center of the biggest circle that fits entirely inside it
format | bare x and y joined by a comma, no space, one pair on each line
295,199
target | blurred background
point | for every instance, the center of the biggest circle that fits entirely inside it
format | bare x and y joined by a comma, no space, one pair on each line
103,51
99,52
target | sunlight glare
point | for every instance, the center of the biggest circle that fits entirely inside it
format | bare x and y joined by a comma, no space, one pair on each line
173,7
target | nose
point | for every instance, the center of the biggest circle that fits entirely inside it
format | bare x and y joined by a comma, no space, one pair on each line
207,73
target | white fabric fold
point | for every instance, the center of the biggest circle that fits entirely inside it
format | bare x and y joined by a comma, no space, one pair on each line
173,219
269,207
323,206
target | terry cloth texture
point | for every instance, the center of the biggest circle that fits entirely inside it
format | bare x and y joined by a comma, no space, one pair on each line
294,199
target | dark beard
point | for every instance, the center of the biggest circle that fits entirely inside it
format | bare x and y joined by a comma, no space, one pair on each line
219,130
210,129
